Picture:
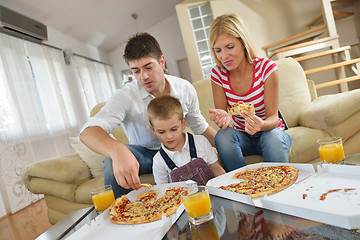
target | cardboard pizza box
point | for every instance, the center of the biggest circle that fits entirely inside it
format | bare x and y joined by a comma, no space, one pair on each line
302,199
305,170
331,196
102,228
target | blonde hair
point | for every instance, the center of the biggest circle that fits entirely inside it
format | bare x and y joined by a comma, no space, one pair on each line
164,107
232,25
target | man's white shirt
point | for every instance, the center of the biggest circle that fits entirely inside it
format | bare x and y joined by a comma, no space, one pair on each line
128,107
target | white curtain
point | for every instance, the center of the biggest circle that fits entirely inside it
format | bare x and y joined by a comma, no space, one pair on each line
96,79
40,108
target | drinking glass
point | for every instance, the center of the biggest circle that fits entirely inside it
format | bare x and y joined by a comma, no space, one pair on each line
331,150
198,206
102,197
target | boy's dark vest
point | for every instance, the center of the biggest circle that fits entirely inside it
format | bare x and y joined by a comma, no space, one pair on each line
196,170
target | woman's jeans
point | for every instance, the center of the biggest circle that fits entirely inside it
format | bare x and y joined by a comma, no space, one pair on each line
233,145
145,159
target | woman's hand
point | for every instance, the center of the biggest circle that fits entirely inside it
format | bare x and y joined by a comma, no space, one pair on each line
253,123
220,117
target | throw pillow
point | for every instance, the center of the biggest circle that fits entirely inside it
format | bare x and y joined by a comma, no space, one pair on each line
92,159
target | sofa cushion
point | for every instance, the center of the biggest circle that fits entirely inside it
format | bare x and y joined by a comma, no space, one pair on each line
294,95
66,169
58,208
303,146
331,110
92,159
82,194
206,101
53,188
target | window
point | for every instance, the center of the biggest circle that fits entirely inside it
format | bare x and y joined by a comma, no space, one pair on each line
201,18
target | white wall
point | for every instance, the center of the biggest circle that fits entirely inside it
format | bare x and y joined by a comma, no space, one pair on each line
168,34
256,15
61,40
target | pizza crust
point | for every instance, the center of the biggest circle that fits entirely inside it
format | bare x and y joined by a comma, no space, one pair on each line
240,107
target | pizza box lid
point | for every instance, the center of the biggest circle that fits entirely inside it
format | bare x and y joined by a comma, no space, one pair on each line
339,208
305,170
102,228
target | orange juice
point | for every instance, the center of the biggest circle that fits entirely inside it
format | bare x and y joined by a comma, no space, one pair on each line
331,153
206,231
103,200
197,204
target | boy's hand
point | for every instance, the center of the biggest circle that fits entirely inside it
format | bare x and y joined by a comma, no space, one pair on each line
220,117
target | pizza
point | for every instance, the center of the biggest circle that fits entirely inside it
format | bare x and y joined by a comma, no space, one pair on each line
263,181
240,107
149,207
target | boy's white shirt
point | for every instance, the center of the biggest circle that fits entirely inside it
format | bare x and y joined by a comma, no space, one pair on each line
204,150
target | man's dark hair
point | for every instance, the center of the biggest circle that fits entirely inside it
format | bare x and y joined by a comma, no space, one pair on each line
142,45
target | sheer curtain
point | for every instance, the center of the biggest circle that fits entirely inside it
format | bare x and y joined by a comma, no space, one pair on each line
37,114
96,79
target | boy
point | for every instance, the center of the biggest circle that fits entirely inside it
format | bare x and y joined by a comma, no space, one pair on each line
168,124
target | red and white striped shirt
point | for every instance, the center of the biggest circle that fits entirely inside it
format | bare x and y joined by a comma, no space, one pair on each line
263,67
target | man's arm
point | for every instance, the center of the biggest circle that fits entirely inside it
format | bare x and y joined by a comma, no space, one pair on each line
125,165
210,133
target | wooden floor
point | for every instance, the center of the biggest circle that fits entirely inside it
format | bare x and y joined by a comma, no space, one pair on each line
28,223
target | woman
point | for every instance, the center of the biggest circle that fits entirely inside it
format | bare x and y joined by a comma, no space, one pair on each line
242,76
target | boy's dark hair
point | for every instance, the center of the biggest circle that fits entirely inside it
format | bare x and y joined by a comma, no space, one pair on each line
142,45
164,107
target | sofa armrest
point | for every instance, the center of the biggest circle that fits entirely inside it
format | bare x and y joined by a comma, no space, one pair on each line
330,110
68,169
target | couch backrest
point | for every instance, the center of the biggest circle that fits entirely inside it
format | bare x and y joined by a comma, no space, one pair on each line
118,132
294,95
206,102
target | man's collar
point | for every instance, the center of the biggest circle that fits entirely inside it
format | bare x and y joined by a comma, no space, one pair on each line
143,93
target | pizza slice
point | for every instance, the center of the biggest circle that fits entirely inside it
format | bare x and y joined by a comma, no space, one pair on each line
240,107
145,185
148,197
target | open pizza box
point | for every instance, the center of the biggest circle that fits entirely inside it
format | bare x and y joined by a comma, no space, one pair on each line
302,199
102,228
304,171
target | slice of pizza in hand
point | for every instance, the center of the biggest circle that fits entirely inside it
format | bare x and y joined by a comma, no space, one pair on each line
146,185
240,107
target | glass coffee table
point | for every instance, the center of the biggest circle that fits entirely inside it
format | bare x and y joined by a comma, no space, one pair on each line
235,220
232,220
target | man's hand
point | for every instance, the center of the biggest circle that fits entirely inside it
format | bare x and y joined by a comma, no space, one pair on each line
125,165
126,168
220,117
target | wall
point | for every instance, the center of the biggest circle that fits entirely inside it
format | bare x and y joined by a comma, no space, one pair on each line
168,34
61,40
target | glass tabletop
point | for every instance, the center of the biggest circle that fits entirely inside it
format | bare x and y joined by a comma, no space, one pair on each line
232,221
235,220
69,224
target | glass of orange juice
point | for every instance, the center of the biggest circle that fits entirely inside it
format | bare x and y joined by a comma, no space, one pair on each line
102,197
331,150
198,206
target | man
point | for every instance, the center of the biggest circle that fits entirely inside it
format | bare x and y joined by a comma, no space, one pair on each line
128,106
